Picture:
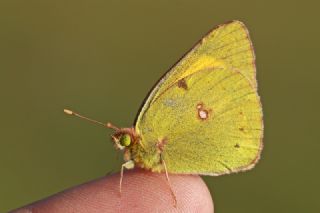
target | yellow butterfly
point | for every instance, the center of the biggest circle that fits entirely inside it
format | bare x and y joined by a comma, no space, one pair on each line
204,116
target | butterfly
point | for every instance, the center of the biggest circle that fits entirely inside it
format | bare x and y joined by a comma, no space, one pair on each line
204,116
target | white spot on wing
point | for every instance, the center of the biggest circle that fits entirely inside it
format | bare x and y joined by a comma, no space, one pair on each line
203,114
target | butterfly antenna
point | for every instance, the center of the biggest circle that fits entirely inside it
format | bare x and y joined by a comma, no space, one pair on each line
109,125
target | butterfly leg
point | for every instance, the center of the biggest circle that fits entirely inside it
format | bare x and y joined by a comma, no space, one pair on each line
128,165
169,183
117,143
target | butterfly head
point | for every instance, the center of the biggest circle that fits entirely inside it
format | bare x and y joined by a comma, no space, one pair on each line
124,137
125,140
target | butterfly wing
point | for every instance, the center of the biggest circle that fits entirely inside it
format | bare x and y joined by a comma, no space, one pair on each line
206,109
227,44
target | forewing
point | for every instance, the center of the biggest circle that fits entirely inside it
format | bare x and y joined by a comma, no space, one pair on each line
227,45
212,123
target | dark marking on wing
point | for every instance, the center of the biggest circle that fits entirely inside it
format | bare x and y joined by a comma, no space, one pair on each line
183,84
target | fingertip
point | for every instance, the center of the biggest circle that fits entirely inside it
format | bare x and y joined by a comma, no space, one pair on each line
142,191
192,193
150,192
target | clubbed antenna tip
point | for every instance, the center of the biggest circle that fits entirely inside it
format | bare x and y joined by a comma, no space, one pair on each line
68,112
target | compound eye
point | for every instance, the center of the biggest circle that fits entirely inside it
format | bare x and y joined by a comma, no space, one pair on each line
125,140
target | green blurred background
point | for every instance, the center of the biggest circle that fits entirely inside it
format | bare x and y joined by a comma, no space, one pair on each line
102,57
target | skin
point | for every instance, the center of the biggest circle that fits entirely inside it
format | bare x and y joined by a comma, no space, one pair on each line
142,191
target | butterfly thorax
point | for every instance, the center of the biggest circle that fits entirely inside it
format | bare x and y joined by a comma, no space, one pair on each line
148,157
